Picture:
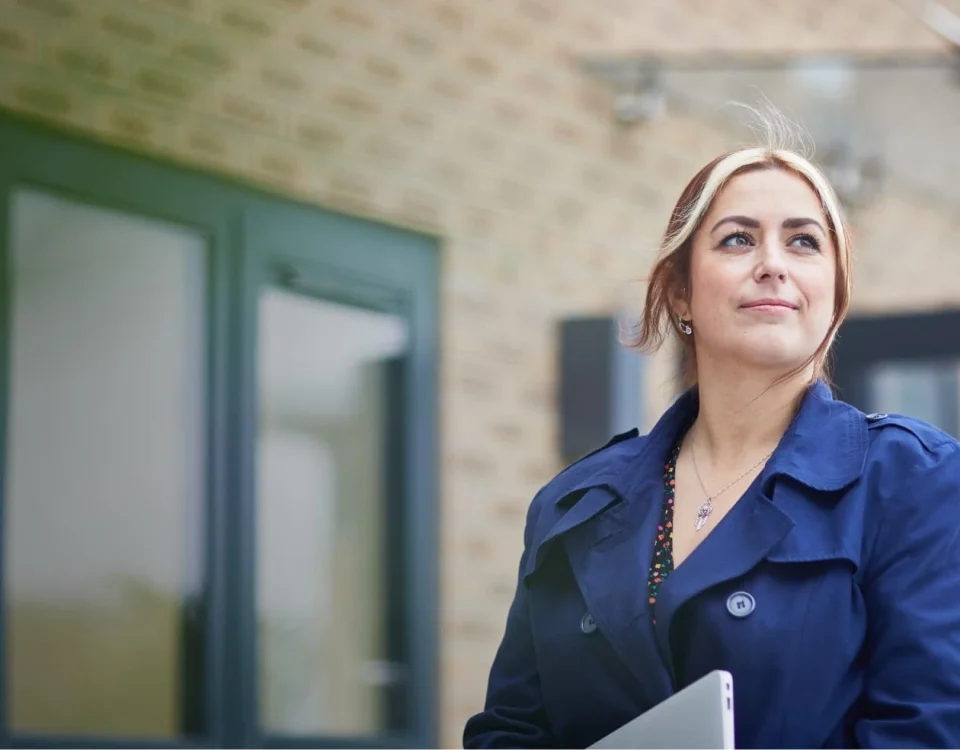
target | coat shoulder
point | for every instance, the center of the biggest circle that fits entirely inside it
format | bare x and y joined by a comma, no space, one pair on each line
912,467
894,435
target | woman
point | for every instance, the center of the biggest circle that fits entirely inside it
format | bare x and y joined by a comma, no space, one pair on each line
761,527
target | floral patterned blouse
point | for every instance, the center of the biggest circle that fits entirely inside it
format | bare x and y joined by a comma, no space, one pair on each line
662,564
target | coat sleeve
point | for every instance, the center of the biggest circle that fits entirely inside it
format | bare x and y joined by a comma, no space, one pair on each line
912,595
513,715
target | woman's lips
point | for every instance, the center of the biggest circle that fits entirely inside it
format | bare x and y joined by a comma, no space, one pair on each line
769,306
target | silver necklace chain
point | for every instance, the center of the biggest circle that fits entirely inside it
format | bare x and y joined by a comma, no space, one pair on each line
704,511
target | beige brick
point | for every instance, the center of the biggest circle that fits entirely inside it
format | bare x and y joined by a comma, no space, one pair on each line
44,100
59,10
131,29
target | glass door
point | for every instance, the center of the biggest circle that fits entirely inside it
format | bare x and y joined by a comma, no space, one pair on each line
341,386
115,604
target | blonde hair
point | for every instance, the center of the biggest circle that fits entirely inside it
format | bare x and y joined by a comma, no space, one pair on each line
669,279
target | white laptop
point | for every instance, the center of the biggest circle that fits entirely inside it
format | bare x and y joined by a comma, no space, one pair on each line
699,716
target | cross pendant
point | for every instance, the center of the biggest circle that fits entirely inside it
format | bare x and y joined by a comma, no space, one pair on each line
702,513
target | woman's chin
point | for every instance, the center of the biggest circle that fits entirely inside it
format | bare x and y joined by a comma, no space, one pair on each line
772,352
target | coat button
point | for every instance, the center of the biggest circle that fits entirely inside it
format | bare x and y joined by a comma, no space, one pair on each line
587,624
876,417
741,604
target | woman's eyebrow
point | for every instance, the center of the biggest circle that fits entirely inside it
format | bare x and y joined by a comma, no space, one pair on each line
801,222
746,221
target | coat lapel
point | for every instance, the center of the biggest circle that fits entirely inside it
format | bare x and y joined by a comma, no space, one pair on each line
608,542
611,572
606,525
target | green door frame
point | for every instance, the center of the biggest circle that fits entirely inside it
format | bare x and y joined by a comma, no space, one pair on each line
256,239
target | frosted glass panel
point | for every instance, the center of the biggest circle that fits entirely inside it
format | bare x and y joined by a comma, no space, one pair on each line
321,592
105,471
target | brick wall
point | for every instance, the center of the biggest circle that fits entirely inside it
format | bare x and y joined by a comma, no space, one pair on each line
468,120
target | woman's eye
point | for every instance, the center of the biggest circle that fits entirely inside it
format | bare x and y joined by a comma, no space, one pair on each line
737,239
805,241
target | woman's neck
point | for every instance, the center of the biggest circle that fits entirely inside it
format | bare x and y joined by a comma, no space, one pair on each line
743,415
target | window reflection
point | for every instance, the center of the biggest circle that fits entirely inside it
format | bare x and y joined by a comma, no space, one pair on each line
927,390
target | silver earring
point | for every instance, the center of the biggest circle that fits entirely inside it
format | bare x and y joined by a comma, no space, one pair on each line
684,325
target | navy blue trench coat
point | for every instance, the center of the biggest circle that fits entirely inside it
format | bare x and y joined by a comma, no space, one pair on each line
844,552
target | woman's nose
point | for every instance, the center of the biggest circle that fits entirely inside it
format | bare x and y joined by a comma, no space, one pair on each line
772,262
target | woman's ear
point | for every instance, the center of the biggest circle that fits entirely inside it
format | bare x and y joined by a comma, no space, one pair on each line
680,304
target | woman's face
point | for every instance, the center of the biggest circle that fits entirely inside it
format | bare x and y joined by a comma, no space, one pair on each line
762,273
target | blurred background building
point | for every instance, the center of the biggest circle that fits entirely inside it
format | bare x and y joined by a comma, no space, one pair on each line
290,302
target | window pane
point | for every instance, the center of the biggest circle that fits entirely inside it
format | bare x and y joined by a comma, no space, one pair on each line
925,390
104,476
327,371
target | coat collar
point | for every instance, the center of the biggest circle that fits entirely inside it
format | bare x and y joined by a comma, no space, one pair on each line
824,448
